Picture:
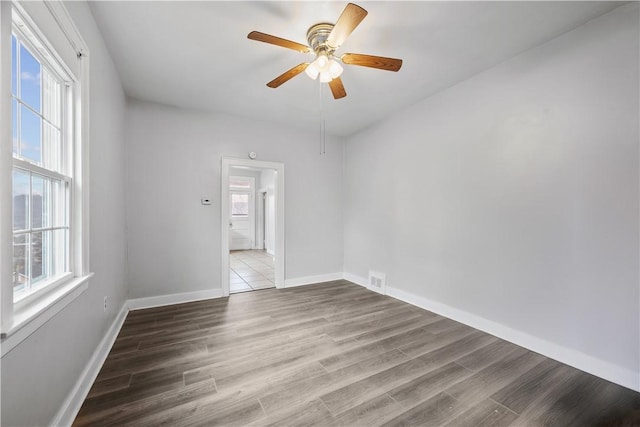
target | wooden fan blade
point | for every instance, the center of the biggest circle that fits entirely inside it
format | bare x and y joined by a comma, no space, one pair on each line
288,75
380,62
337,88
351,17
267,38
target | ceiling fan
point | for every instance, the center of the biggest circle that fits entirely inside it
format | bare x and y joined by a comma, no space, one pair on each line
324,39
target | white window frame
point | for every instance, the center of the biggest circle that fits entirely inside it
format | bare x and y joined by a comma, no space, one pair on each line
19,320
66,158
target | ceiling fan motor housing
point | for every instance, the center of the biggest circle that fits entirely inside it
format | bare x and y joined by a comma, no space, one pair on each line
317,37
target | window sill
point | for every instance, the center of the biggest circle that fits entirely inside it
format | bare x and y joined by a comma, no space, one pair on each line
28,319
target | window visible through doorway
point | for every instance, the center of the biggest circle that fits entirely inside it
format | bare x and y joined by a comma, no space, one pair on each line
239,204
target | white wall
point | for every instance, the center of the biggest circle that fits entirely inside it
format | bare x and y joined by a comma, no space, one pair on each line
513,196
39,373
174,158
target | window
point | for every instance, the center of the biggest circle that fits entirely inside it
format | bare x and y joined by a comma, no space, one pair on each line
239,182
45,180
239,204
42,177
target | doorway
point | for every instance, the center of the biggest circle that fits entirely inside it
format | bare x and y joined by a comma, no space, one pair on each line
252,225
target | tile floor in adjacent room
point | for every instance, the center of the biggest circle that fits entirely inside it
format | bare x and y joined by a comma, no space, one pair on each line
250,270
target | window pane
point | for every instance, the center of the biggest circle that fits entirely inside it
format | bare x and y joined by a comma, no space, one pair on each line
20,199
29,79
40,201
52,148
38,250
51,94
30,135
14,66
14,125
20,274
239,204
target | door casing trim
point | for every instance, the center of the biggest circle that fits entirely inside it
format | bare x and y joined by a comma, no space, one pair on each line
227,163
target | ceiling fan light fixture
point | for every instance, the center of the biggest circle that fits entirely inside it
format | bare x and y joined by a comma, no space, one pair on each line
325,76
322,62
327,68
312,70
335,69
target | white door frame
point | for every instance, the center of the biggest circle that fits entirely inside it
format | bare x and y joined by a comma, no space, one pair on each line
260,218
227,163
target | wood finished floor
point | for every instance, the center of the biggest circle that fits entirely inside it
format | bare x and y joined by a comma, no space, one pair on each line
334,354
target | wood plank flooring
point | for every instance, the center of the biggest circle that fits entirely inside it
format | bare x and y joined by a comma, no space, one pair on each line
334,354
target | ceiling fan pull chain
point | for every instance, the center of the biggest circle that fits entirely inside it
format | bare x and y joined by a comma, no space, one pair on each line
324,142
323,150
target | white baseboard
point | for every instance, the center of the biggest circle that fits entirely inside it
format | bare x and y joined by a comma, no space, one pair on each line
73,402
310,280
159,301
355,279
577,359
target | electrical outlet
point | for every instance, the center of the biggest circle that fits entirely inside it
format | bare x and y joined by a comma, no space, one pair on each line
105,303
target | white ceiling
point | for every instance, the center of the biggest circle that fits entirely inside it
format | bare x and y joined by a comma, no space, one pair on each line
196,54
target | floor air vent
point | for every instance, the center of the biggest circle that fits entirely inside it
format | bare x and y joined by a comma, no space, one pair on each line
377,282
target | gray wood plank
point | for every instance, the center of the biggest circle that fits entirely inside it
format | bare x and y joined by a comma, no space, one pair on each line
487,381
432,412
373,412
411,393
485,413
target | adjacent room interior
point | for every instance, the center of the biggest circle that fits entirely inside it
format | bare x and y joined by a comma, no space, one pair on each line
296,213
252,229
